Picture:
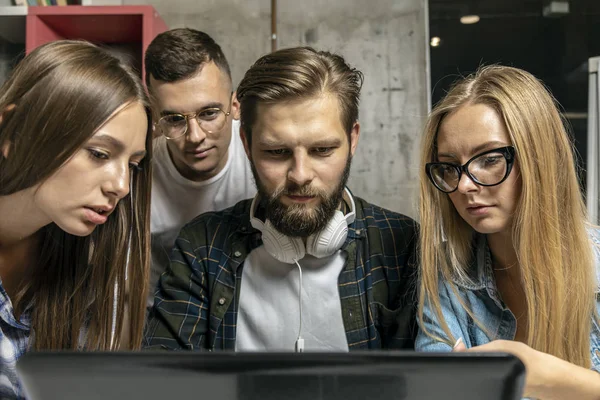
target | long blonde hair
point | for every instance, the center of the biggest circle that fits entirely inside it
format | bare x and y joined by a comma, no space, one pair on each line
549,231
64,91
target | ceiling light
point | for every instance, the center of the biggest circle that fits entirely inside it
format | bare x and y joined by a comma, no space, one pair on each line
435,41
556,9
469,19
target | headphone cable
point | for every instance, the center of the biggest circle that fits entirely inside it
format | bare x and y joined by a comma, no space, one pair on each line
299,346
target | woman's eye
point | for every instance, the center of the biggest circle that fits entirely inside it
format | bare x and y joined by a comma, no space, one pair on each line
98,154
135,167
492,160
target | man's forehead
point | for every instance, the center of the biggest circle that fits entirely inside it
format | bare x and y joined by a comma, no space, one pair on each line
302,135
191,93
315,112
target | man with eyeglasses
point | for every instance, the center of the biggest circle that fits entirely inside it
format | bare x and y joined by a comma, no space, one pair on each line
199,164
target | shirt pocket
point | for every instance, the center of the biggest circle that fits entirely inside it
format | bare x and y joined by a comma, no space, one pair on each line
397,327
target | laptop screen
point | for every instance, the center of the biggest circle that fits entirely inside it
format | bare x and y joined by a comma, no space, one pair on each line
266,376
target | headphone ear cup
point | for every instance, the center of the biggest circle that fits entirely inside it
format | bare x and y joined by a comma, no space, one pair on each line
330,239
281,247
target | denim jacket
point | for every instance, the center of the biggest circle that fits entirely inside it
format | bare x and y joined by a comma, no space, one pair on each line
484,301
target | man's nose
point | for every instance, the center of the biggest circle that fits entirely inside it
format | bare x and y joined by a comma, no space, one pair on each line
300,172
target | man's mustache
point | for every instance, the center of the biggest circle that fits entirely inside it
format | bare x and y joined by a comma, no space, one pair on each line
304,191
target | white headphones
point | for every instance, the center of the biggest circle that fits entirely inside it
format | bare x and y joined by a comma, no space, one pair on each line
321,244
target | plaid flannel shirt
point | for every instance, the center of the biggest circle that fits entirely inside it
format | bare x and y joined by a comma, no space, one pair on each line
197,298
14,341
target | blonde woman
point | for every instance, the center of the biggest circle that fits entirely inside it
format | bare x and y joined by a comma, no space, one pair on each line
508,260
74,201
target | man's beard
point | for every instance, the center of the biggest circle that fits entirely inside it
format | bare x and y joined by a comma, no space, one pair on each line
298,220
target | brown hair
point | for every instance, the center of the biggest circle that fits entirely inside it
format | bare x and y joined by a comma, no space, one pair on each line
64,91
549,232
299,73
180,53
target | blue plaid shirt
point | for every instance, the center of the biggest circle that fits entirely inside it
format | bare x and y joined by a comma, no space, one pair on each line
14,340
197,298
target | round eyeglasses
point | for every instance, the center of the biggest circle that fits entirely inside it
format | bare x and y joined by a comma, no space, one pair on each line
210,120
489,168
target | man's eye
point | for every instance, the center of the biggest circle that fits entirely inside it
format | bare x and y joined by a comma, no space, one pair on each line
209,114
324,150
277,152
173,119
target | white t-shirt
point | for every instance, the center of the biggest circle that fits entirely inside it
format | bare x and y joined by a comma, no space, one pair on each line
268,316
177,200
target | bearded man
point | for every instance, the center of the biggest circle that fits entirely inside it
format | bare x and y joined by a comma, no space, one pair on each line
305,265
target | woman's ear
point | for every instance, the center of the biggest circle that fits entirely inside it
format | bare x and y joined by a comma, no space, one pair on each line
9,108
5,147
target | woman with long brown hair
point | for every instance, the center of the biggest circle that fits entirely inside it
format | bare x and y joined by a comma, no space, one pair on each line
508,259
75,147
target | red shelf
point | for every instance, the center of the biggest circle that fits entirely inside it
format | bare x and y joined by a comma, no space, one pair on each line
131,26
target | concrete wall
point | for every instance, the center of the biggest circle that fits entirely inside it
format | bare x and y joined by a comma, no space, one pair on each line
385,39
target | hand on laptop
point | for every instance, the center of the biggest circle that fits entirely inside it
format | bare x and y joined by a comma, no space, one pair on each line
547,377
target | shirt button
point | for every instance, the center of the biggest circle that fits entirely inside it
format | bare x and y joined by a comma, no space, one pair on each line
243,229
237,254
222,300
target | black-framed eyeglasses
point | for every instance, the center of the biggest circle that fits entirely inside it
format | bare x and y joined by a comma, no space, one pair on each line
489,168
210,120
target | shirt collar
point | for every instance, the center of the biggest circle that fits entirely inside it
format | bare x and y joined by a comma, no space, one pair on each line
480,268
7,311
